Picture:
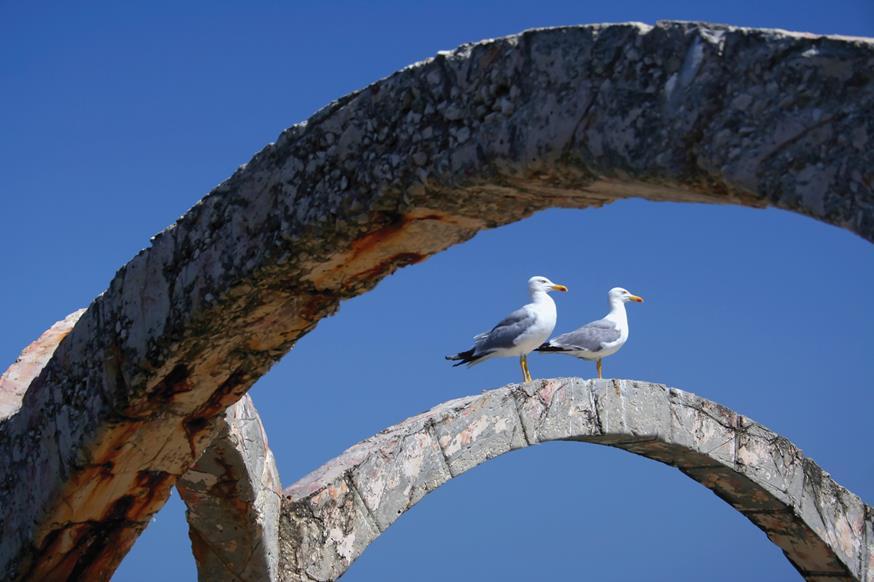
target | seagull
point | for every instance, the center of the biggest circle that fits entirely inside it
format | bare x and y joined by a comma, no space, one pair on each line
598,339
520,332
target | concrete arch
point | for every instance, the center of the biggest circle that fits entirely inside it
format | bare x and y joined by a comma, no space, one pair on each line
472,139
330,516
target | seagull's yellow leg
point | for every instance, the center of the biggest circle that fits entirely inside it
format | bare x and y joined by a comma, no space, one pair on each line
526,374
598,364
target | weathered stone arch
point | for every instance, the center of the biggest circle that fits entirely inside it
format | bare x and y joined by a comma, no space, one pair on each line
330,516
232,498
475,138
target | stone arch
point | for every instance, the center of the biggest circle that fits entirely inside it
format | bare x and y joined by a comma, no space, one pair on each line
471,139
330,516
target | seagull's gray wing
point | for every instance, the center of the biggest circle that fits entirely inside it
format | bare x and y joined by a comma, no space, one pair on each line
504,334
591,337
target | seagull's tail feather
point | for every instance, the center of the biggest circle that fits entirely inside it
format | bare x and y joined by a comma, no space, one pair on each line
466,357
550,347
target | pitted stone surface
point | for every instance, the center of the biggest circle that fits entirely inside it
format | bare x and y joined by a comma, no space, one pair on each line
823,529
474,138
232,495
480,430
406,468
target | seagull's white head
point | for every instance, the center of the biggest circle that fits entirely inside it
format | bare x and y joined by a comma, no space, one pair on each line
543,285
623,295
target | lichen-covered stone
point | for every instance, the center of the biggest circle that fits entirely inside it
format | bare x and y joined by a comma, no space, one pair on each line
474,138
323,533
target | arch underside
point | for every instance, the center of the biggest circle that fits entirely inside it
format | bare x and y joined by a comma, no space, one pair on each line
471,139
330,516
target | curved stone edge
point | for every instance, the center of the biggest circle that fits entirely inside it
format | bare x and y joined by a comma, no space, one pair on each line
232,495
471,139
330,516
27,366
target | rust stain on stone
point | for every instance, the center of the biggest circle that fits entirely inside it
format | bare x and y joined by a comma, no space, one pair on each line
374,245
198,426
86,542
387,266
408,240
93,549
378,238
176,382
388,234
231,390
115,441
152,488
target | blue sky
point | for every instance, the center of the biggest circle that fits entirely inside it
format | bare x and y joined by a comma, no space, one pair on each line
116,118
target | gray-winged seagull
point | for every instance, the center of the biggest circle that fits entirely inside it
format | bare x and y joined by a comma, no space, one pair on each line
520,332
598,339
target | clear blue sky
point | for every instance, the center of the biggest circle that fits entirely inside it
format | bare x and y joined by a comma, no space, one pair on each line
116,118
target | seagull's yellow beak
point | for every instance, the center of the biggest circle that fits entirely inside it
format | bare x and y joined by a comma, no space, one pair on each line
561,288
636,298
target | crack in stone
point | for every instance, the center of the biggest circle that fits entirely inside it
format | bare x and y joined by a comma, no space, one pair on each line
717,420
722,444
623,414
443,456
528,440
595,412
220,556
780,148
350,482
